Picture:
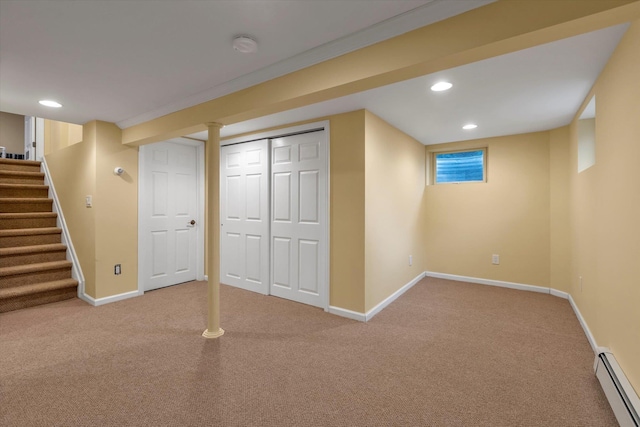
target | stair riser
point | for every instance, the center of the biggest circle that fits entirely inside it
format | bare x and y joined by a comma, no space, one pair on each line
19,167
6,179
26,301
32,258
35,277
24,192
15,223
31,240
15,207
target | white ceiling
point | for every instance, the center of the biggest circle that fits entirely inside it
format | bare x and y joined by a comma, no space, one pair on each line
530,90
131,61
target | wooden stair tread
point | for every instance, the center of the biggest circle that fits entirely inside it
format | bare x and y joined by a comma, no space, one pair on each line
32,268
21,215
18,291
19,162
26,200
19,250
21,173
30,231
25,186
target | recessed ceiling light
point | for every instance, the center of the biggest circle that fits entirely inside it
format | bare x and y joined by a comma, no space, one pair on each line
245,44
440,86
469,126
49,103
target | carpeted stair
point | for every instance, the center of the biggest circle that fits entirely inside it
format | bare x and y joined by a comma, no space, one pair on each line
33,265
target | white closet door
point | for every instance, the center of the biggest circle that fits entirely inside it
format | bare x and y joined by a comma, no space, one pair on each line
299,218
244,213
168,210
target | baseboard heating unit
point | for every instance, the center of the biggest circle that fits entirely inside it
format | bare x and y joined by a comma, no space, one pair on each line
621,395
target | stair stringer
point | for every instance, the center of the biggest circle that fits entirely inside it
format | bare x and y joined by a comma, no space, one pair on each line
76,269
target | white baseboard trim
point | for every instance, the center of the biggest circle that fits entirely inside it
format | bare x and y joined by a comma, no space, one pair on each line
583,323
343,312
106,300
559,294
365,317
391,298
499,283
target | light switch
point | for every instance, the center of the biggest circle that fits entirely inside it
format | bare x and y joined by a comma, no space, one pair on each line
88,201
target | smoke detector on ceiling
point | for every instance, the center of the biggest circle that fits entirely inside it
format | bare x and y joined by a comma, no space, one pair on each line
245,44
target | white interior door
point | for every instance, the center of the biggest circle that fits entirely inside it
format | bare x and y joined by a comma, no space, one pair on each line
244,213
169,216
299,218
33,138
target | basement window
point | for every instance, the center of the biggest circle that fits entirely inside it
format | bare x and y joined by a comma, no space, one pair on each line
460,166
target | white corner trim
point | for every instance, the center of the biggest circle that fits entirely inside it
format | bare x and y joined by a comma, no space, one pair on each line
76,269
365,317
559,294
585,327
361,317
113,298
206,278
391,298
499,283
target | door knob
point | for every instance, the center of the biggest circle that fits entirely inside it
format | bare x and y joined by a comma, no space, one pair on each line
192,222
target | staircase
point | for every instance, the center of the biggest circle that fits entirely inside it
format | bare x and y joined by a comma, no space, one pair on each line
33,265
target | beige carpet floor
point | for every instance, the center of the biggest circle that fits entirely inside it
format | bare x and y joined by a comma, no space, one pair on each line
444,354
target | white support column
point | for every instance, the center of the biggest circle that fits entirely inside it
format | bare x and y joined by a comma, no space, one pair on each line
213,231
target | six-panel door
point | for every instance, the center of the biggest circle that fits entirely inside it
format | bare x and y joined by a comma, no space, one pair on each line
169,207
298,218
244,216
273,210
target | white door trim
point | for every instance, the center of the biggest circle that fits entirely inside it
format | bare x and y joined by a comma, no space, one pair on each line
279,133
200,203
308,127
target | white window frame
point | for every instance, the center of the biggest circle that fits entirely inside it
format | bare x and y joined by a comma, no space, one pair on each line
433,165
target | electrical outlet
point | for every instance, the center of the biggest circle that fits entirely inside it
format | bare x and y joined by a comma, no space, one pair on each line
410,260
117,269
495,259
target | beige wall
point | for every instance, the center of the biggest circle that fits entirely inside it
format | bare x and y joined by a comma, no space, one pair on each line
12,132
105,234
394,209
347,204
59,135
509,215
73,173
605,212
559,227
116,213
